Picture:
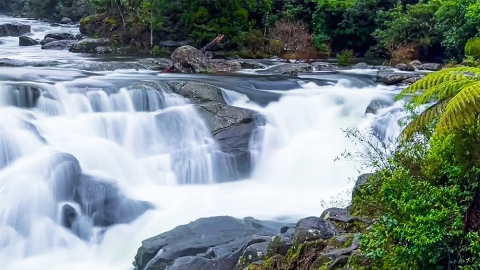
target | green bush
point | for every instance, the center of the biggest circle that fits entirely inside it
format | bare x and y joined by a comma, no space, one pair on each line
345,58
472,48
418,200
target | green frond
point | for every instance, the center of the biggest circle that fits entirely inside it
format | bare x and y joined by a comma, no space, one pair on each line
447,89
461,109
437,78
422,120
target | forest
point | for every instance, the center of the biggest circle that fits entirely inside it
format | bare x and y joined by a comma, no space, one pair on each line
435,29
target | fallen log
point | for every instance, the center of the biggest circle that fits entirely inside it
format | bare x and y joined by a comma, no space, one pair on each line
210,45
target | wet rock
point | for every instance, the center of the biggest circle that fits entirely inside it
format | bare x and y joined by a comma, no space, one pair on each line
155,63
100,66
60,36
13,29
207,243
102,201
102,50
290,69
59,45
313,228
89,45
198,92
47,40
389,77
55,25
65,20
26,41
343,221
281,243
248,64
361,65
232,128
187,59
69,215
412,80
416,63
255,250
431,67
377,104
322,66
405,67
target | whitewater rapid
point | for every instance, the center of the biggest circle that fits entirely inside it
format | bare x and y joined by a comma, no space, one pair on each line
294,166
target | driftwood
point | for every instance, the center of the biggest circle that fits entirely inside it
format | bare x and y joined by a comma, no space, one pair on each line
210,45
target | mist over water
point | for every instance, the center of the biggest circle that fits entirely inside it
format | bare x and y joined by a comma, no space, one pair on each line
144,143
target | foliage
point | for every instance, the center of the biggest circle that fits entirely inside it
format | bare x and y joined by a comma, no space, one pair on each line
455,93
292,36
472,48
418,199
345,58
402,53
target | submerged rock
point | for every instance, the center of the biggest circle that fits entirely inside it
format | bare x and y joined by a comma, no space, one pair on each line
47,40
207,243
13,29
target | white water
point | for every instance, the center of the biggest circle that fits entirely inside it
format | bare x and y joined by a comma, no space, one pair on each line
295,168
148,147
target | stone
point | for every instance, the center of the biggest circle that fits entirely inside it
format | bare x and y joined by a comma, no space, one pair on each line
361,65
102,50
13,29
89,45
65,20
26,41
250,64
187,59
289,69
313,228
207,243
59,45
377,104
390,77
416,63
405,67
60,36
431,66
47,40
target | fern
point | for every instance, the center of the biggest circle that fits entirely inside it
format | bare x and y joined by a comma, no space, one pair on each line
456,93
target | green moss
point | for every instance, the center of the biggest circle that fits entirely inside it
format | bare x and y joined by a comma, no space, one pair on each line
345,58
111,21
85,21
472,48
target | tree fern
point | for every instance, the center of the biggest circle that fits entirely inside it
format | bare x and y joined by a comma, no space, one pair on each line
455,93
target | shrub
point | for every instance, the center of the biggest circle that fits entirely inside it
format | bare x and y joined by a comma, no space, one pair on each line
345,58
472,48
402,53
292,35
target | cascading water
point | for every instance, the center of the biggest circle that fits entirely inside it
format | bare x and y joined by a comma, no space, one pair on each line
91,164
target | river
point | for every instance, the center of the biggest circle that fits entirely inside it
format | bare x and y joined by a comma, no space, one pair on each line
164,154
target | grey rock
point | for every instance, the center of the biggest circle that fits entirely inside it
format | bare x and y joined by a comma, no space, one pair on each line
26,41
187,59
412,79
65,20
198,92
290,69
377,104
431,66
155,63
361,65
416,63
221,65
313,228
207,243
60,36
249,64
405,67
47,40
89,45
391,78
102,50
59,45
13,29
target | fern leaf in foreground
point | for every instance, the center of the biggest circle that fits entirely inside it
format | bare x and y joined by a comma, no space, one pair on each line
456,93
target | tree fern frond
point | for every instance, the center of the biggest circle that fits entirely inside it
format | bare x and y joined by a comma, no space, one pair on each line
461,109
439,77
447,89
425,118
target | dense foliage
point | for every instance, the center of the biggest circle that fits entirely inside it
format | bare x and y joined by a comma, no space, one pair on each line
435,28
424,196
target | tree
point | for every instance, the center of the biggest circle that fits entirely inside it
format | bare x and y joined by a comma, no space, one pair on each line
455,93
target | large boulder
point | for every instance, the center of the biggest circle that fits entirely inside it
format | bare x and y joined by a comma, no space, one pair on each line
47,40
390,77
89,45
13,29
187,59
207,243
59,45
26,41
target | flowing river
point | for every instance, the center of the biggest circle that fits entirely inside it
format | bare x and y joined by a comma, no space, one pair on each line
157,148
